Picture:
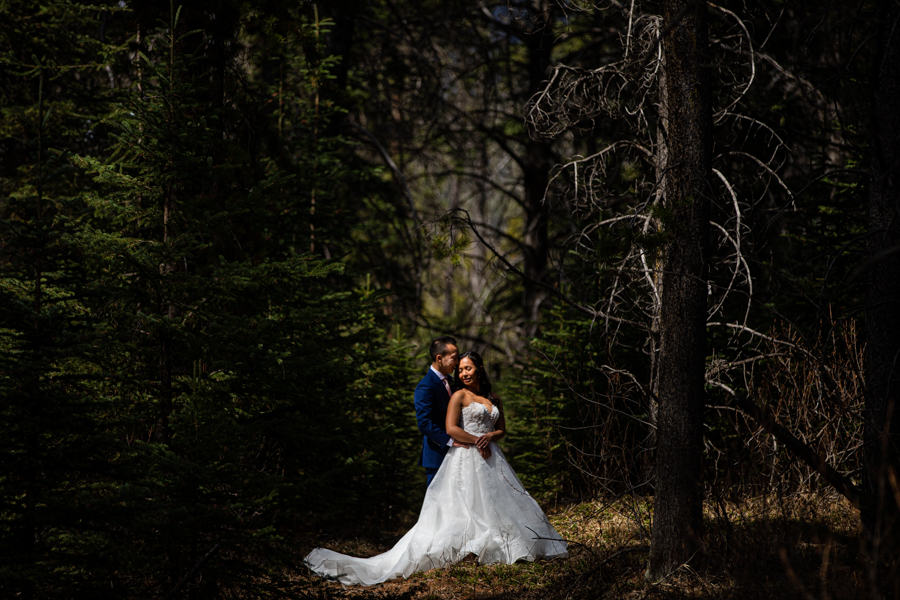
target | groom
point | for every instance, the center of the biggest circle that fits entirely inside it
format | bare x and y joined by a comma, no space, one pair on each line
431,399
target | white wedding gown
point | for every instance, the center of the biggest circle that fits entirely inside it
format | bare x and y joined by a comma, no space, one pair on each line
473,506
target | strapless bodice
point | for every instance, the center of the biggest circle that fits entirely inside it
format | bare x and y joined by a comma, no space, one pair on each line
477,419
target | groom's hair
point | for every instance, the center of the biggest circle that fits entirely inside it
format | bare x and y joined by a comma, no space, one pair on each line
439,346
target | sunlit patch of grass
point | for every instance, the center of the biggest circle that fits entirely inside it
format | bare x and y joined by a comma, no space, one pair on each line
802,545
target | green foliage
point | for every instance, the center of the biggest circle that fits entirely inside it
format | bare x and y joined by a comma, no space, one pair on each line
195,249
178,376
578,426
447,243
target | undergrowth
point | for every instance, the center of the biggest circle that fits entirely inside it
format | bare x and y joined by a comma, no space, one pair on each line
787,547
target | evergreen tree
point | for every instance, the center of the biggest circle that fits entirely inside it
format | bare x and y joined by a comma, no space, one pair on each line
182,383
57,452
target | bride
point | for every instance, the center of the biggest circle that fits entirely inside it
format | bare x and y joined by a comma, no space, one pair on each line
474,505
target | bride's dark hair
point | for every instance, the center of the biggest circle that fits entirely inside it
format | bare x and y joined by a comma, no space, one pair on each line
483,382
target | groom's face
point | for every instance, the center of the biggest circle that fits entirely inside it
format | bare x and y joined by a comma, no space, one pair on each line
446,362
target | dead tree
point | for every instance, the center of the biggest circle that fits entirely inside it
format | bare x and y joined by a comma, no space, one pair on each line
677,513
664,284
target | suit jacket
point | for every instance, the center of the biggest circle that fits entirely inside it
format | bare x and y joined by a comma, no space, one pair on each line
431,400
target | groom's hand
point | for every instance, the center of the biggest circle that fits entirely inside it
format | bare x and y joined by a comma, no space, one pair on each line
459,444
485,453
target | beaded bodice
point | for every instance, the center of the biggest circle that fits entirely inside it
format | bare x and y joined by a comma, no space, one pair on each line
477,419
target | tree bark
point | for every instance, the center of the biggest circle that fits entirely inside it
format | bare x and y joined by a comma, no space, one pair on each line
538,161
662,161
682,355
882,359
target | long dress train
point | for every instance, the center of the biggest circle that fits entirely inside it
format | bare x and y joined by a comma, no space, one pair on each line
473,506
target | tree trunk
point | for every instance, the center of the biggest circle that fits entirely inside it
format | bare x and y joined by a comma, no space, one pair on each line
682,355
882,420
538,161
662,161
168,310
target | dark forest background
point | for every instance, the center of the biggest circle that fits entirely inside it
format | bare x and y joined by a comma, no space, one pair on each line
228,231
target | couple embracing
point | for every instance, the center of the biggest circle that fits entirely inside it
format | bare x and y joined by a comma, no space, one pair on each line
475,503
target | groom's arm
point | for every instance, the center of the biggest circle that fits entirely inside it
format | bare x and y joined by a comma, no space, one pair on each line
425,403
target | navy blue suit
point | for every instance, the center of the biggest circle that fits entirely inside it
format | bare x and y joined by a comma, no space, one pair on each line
431,400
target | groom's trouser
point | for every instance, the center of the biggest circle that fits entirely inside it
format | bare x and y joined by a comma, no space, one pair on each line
429,474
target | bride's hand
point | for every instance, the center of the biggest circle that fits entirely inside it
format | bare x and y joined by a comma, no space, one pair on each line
484,441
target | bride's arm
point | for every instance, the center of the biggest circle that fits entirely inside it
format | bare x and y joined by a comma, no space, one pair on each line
454,409
500,427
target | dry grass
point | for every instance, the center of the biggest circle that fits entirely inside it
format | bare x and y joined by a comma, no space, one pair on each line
803,546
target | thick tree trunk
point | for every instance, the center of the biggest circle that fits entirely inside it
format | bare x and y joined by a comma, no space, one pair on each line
882,412
537,175
538,161
678,500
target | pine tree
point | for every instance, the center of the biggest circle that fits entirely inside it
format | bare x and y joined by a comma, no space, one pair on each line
182,383
57,451
230,364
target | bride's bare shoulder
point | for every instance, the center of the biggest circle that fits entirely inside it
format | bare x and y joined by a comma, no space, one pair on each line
464,396
461,396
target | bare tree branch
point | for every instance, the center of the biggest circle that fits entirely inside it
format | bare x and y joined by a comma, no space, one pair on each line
767,421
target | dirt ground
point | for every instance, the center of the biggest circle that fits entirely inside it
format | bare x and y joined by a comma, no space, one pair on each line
804,546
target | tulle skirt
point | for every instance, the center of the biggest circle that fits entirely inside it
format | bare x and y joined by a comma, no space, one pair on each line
473,506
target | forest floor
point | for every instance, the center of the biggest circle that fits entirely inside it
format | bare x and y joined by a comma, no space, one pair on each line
800,546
